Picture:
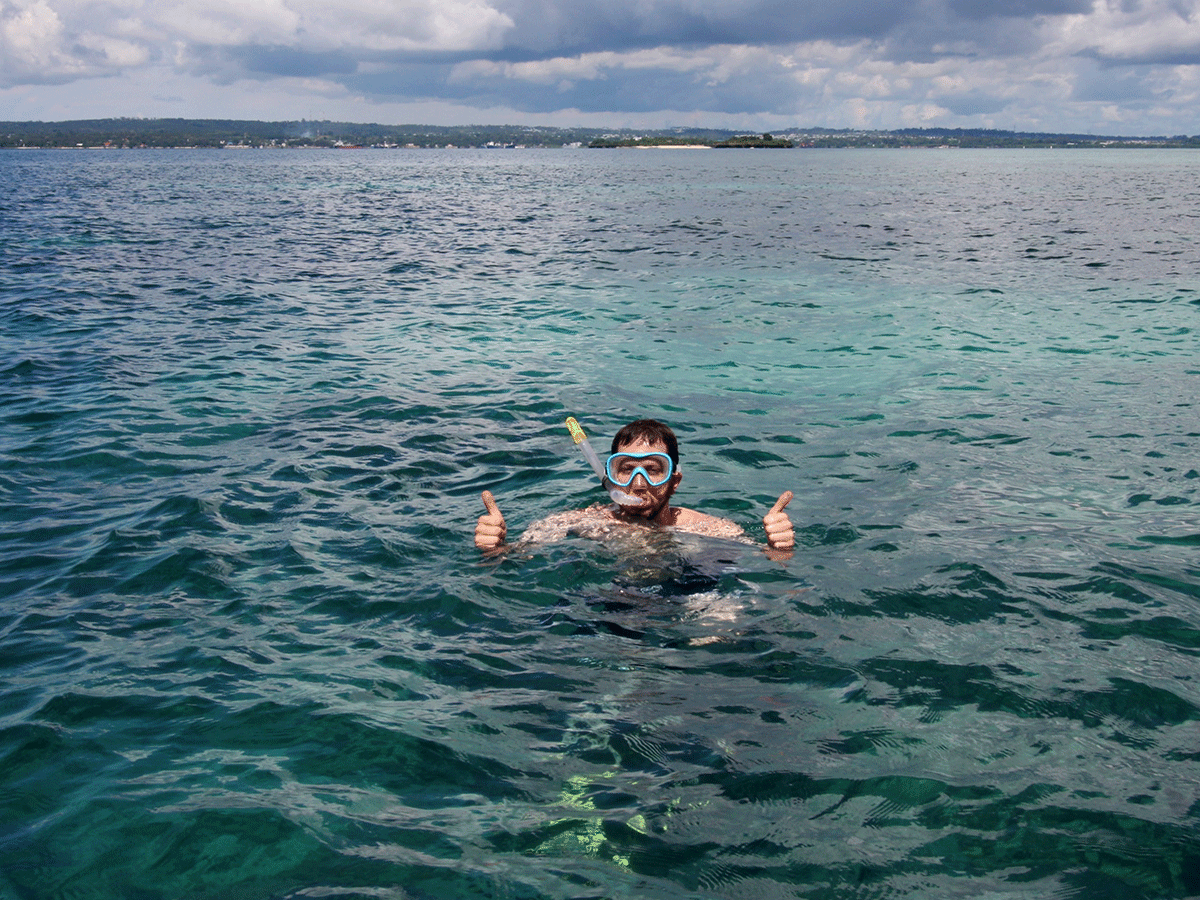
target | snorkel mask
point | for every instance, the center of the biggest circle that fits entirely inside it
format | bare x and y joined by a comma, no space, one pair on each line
657,468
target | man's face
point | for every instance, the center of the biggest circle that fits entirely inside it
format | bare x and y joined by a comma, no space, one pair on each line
654,499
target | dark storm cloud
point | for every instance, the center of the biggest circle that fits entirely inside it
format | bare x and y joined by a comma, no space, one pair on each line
943,31
1162,56
542,27
973,104
1102,84
291,61
226,65
1018,9
542,30
633,91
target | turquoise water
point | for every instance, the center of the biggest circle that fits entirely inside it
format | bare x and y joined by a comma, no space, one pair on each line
248,404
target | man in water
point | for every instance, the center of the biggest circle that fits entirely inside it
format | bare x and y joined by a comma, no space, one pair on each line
645,465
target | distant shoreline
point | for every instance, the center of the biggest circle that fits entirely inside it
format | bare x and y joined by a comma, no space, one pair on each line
1130,145
303,134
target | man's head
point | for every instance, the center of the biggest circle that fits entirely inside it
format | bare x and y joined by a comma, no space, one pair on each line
647,436
647,431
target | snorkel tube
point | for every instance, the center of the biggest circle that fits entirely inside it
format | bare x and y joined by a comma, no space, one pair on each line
594,461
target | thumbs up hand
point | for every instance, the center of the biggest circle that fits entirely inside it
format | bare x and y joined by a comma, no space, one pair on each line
490,530
780,534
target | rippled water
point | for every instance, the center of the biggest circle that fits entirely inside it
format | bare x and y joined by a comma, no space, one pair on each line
249,401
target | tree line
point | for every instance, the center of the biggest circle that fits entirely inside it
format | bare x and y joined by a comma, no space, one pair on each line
217,133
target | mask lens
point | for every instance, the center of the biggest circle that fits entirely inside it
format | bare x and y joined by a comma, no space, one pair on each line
656,468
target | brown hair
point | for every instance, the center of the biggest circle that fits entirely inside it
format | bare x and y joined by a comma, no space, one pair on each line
650,431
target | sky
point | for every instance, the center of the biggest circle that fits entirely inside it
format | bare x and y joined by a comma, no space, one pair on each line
1108,67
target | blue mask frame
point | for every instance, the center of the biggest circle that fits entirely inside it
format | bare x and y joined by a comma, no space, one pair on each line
612,477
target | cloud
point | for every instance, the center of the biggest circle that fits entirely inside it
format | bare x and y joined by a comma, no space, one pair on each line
1153,32
976,10
420,27
558,27
1022,64
38,46
54,40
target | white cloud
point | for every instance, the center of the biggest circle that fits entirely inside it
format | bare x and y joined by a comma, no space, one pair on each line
587,66
1144,30
225,22
30,36
922,115
116,52
47,40
417,26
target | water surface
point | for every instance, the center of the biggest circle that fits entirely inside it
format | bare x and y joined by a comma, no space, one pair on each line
249,402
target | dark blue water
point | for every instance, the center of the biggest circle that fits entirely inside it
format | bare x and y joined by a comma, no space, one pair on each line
248,402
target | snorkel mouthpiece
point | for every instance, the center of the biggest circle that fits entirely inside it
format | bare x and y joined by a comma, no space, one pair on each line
594,461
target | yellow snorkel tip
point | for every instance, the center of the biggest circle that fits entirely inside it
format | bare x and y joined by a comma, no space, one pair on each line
577,434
